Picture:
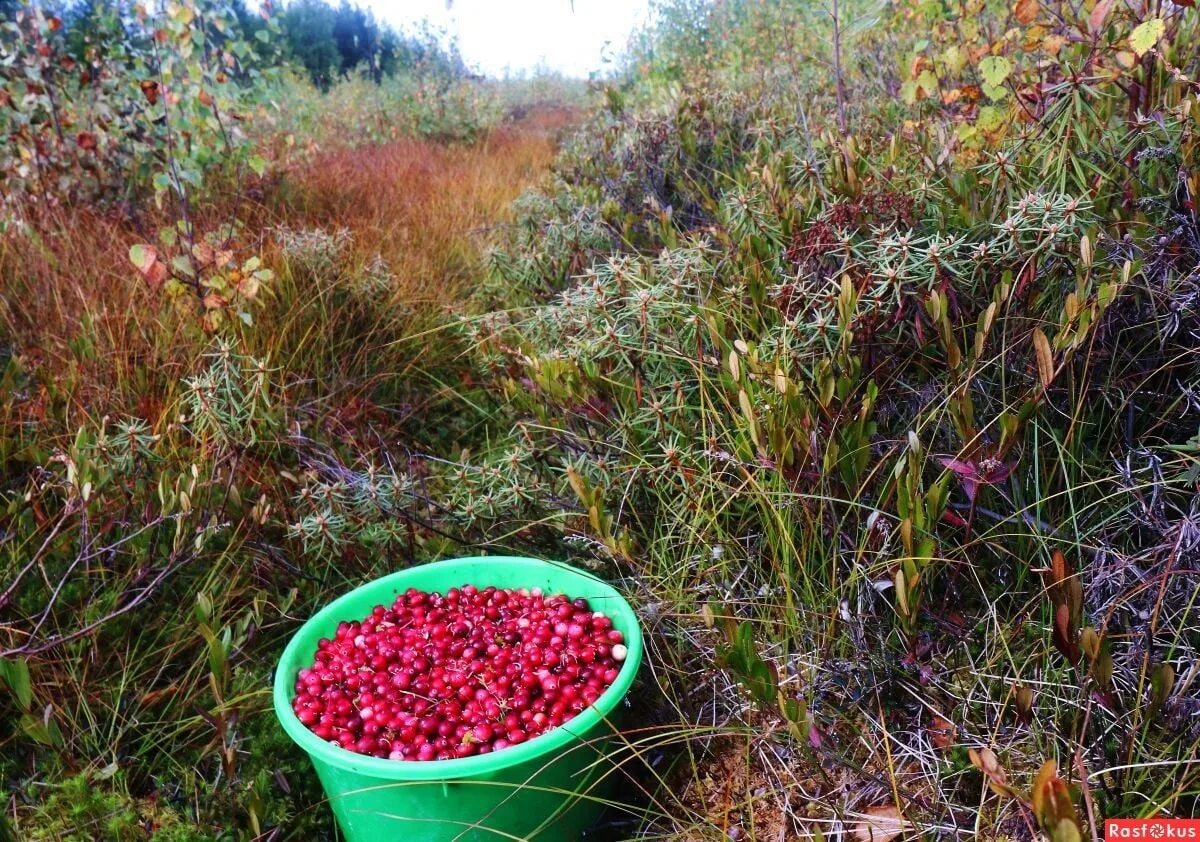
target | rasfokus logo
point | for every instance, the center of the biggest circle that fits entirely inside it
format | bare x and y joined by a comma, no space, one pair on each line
1151,829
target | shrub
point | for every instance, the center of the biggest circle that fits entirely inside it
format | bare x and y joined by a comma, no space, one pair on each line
879,417
154,103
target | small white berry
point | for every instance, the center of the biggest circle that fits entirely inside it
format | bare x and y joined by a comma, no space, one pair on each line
619,651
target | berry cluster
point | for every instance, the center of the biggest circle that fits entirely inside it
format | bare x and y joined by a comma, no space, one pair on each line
473,671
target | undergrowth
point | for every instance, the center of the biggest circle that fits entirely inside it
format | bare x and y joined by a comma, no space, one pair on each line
156,472
858,345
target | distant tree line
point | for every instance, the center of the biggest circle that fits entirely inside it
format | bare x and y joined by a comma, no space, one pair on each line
328,42
331,42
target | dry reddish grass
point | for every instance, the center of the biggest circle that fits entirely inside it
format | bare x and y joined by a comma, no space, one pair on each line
423,206
74,316
94,338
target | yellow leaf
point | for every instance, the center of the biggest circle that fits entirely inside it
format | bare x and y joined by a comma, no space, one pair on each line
901,593
1039,792
1089,642
1053,44
989,316
1045,358
781,381
748,412
879,824
927,82
954,58
990,118
1146,35
994,70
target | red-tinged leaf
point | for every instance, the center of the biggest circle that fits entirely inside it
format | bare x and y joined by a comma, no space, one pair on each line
86,141
970,488
157,274
149,90
941,732
985,761
953,518
54,23
143,256
203,253
1099,13
1062,637
960,467
974,474
1043,789
1026,11
814,736
145,260
1059,570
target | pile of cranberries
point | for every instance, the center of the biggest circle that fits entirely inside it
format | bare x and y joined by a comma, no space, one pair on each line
472,671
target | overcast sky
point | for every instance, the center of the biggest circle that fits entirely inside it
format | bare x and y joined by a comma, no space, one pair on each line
517,35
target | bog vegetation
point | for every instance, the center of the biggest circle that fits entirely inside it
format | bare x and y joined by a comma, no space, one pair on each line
856,342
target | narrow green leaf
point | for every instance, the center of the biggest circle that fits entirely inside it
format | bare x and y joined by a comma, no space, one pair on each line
16,676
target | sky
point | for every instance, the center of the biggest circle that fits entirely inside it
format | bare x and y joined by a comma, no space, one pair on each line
499,36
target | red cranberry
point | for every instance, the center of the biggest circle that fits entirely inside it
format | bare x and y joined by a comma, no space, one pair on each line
435,677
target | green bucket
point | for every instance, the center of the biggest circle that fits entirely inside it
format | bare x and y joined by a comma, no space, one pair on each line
552,787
